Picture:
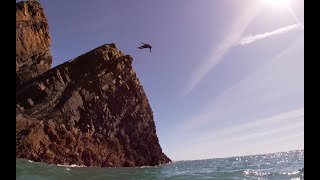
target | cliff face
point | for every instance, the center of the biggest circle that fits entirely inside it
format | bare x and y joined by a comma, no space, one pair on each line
32,41
89,111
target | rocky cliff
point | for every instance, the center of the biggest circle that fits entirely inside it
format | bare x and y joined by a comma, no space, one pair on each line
89,111
32,41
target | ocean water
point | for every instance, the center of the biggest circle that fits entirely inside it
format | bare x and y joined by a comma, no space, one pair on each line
283,165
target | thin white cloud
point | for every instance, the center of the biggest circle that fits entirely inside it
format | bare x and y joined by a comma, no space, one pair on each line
275,82
234,38
278,119
250,39
268,84
296,18
261,136
283,139
285,129
231,39
263,131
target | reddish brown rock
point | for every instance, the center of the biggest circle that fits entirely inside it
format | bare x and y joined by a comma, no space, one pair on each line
32,41
89,111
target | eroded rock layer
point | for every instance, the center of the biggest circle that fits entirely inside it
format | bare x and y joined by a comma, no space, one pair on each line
91,110
32,41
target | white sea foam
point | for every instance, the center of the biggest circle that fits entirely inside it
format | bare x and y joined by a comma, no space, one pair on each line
145,166
257,173
290,173
261,167
72,165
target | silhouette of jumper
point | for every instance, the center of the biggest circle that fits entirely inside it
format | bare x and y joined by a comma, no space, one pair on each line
145,46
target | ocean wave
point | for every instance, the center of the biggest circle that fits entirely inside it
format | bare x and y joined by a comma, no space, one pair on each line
246,167
256,173
72,165
251,172
145,166
290,173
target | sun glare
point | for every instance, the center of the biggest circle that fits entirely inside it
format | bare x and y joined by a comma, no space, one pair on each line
277,3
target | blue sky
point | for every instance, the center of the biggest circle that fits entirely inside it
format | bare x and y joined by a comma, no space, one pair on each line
225,78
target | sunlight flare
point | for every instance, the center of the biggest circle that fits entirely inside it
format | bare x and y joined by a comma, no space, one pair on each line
277,3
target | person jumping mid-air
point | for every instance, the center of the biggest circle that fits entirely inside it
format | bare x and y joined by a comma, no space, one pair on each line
145,46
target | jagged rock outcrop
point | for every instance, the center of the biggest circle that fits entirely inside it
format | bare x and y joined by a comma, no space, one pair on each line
32,41
89,111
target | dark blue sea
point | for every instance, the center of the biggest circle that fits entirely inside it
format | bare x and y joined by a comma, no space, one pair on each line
282,165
